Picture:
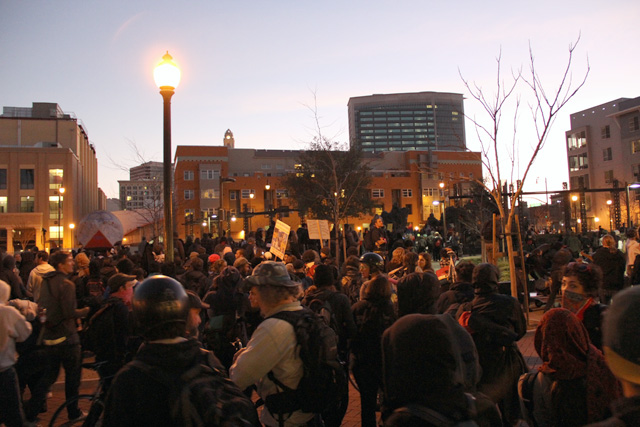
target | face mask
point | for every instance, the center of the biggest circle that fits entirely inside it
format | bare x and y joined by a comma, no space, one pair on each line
125,295
573,301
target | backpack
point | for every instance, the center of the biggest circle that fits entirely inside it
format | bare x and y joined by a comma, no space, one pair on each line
368,241
322,308
416,414
95,288
98,335
204,396
324,379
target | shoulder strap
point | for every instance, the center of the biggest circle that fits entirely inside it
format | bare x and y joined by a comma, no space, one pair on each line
100,311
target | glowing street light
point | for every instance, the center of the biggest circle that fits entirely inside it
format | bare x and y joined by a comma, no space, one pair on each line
61,191
167,76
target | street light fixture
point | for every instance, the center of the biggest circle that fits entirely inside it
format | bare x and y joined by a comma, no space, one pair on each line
574,198
167,77
609,202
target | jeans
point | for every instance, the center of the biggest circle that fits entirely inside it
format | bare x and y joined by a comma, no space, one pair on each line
70,357
369,381
10,402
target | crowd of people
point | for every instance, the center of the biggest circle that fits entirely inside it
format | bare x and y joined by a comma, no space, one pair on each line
426,340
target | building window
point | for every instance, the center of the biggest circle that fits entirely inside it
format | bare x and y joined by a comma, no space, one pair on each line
27,179
188,194
246,193
265,166
606,154
209,174
189,213
635,169
407,192
280,167
635,146
233,195
634,124
3,179
3,204
608,176
605,132
53,207
209,213
27,204
56,232
282,193
209,194
578,162
377,193
188,175
577,140
55,178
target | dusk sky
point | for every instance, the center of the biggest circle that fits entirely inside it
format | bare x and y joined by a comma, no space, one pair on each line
253,67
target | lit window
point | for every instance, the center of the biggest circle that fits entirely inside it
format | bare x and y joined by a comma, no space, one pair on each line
55,178
209,193
27,204
635,146
56,232
282,193
3,204
53,207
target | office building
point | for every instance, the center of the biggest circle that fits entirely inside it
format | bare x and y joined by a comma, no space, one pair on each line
407,121
48,176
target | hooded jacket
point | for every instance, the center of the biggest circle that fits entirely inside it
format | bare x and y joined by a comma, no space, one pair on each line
13,327
35,279
58,297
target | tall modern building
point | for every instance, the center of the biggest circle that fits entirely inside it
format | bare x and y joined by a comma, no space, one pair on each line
603,150
148,170
48,176
143,190
407,121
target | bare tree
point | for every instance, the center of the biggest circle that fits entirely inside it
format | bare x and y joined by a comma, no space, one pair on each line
544,107
24,234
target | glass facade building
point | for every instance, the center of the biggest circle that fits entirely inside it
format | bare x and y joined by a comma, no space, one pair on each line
407,121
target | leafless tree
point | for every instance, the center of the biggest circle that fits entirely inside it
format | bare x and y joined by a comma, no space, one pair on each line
544,107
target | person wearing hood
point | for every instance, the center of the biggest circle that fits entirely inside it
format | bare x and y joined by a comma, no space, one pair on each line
59,337
460,292
35,277
13,328
496,322
9,274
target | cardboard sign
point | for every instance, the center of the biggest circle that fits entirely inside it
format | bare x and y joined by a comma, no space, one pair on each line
280,239
318,229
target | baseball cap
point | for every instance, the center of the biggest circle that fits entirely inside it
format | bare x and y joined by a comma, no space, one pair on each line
118,280
195,301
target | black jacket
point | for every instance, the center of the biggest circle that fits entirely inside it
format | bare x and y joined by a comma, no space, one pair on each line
626,412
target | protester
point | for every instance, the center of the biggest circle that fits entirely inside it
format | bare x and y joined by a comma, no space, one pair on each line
580,285
13,328
148,390
35,277
373,314
573,386
60,340
622,354
613,264
272,347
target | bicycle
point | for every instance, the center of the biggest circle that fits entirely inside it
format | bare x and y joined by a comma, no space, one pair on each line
90,404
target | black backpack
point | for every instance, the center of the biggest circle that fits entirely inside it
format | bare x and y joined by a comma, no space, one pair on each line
324,379
98,335
204,396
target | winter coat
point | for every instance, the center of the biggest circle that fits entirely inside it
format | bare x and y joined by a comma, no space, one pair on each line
372,317
613,265
58,297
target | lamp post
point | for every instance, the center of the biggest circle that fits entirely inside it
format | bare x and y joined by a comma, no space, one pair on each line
574,198
167,77
72,226
444,216
609,202
60,229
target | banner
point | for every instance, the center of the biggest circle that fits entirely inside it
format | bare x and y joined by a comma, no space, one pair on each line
280,239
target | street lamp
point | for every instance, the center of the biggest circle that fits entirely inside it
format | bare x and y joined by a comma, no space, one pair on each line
60,193
574,199
167,77
444,216
609,202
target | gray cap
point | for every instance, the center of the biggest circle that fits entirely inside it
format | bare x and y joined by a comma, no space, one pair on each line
271,273
621,330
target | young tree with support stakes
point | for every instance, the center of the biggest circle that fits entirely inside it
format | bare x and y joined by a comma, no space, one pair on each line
544,107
